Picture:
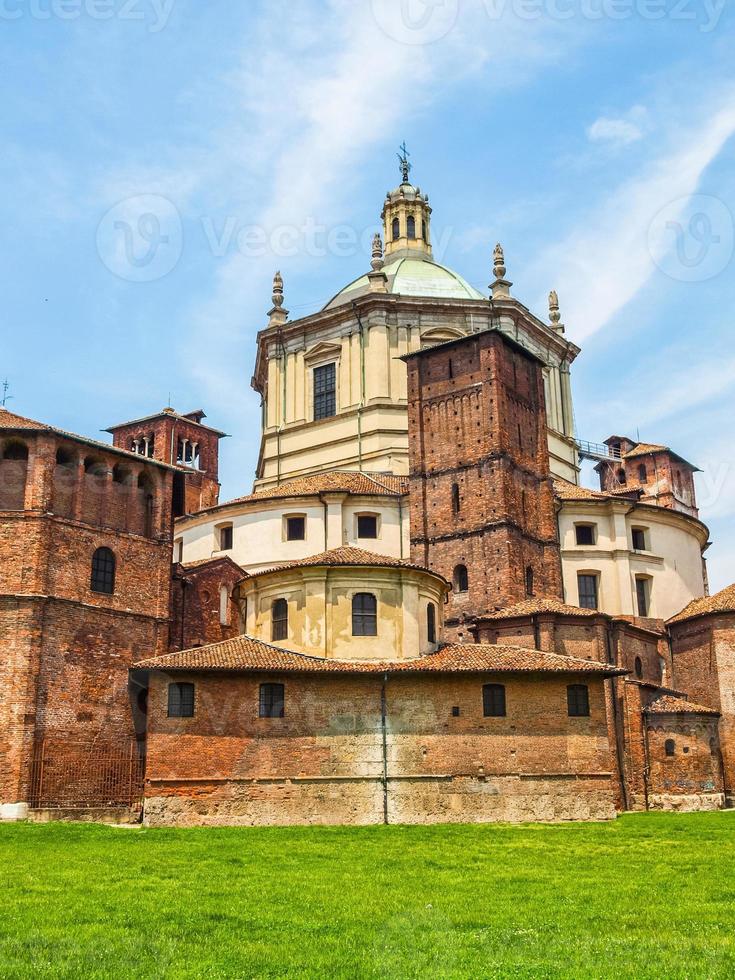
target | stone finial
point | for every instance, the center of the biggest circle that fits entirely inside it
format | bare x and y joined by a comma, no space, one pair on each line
499,262
278,290
501,287
278,315
554,314
377,261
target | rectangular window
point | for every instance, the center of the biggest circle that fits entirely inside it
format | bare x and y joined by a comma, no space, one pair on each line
325,391
367,526
641,591
272,701
585,534
364,615
493,701
578,701
225,538
295,528
181,700
588,598
639,539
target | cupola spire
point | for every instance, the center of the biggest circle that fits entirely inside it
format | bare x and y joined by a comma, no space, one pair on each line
406,216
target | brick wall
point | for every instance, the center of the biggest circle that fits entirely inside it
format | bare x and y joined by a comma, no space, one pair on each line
196,604
323,762
691,778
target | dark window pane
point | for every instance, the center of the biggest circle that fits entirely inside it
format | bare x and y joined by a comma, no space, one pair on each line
296,528
367,526
364,615
325,391
670,746
279,620
103,572
587,591
411,226
641,589
639,539
493,700
585,534
461,579
578,700
225,539
396,229
272,701
431,623
181,700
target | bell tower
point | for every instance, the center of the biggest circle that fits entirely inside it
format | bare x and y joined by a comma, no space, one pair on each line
407,217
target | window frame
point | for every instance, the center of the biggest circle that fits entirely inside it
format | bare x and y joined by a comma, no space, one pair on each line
225,536
272,700
583,599
634,532
178,706
578,700
670,748
288,519
643,595
431,633
326,393
461,576
364,621
279,623
592,528
369,517
494,701
102,580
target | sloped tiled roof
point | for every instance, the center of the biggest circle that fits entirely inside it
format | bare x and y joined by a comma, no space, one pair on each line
721,602
244,653
332,481
12,422
569,491
668,705
347,556
171,413
532,607
644,449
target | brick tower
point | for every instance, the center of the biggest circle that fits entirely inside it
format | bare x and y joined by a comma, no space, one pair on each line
182,441
658,474
482,507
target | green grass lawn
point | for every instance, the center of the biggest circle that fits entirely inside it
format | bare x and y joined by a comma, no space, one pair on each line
645,896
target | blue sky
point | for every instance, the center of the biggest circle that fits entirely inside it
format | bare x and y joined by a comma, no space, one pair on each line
594,138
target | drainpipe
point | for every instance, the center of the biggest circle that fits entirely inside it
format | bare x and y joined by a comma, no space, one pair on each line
361,406
400,521
384,731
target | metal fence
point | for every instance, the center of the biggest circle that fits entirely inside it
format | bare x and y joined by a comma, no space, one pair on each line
71,775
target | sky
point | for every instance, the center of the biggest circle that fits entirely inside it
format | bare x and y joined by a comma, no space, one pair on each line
161,159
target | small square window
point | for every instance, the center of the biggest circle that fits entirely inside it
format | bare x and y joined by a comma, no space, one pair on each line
585,534
181,700
295,528
367,526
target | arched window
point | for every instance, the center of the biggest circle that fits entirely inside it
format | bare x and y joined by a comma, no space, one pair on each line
120,474
578,700
272,701
461,579
364,614
65,457
493,700
642,473
279,620
529,581
396,229
456,503
15,450
13,475
638,667
103,572
431,623
411,224
669,746
622,479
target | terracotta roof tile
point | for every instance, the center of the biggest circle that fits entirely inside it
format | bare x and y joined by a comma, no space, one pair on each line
668,705
347,556
244,653
12,422
721,602
532,607
569,491
332,481
644,448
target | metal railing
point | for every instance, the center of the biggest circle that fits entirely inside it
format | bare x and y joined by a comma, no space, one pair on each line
597,450
77,776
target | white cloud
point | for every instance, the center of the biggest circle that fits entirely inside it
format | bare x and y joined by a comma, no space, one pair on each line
605,259
621,131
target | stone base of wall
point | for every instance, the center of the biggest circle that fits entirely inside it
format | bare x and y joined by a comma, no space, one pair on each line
686,803
109,815
411,800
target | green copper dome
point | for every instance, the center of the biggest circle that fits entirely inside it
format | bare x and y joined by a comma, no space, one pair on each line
412,276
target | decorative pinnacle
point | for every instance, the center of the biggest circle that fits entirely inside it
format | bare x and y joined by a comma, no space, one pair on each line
554,314
278,290
377,262
406,167
499,262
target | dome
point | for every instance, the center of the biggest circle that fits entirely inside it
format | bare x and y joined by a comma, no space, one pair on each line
412,276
